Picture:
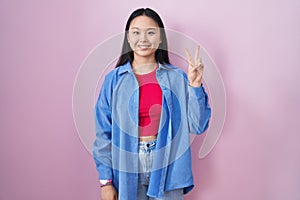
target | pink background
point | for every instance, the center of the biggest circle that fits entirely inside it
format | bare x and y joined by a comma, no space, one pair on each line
255,44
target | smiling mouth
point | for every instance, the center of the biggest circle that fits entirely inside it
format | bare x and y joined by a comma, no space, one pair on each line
142,47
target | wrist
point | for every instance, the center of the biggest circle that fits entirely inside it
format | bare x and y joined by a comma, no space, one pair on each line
198,84
105,182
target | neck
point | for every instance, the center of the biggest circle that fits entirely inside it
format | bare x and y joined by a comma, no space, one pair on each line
142,61
143,65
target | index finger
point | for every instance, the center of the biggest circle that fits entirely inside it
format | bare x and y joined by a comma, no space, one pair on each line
197,52
188,55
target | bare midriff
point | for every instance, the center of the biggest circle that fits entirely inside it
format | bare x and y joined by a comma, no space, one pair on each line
147,138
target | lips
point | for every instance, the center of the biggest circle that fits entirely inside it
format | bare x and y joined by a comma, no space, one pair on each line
144,47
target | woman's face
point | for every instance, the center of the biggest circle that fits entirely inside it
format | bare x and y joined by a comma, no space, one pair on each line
143,36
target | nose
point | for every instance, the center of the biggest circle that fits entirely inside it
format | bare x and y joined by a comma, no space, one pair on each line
143,37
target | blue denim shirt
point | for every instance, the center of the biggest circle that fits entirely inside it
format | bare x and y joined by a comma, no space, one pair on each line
185,110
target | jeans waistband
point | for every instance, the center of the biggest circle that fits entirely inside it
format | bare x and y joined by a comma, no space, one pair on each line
146,147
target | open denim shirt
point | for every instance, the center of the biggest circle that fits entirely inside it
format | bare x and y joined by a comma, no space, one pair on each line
185,110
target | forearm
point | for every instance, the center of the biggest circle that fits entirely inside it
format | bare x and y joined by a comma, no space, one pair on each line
199,111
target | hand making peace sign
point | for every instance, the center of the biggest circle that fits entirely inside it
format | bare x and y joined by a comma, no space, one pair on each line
195,70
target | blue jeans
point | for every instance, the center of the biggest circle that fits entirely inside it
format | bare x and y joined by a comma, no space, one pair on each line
145,163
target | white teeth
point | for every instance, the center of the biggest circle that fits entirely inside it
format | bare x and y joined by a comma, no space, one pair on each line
144,46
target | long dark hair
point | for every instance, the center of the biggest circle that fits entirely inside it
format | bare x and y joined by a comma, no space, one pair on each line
161,54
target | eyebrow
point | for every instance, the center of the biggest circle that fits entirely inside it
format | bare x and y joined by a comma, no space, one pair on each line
151,28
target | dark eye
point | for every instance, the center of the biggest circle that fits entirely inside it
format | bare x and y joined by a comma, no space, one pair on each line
151,32
135,32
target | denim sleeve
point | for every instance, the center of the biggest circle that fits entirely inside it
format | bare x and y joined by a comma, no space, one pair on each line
102,144
199,110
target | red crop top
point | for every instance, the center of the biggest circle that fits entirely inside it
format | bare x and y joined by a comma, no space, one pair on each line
150,103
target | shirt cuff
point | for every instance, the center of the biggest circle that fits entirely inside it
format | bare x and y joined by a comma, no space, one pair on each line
198,92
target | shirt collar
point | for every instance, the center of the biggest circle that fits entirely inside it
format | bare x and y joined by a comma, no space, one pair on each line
127,67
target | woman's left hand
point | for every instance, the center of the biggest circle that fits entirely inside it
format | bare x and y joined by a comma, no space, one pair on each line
195,70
